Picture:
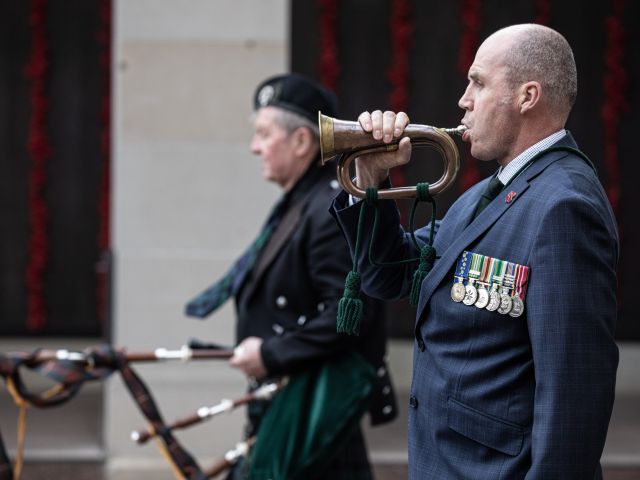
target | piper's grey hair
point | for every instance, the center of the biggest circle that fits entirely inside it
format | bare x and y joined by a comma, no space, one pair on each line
291,121
543,55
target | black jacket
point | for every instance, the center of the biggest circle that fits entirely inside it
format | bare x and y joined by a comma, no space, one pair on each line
290,298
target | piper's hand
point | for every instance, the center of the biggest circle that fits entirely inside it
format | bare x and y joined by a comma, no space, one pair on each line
247,358
374,168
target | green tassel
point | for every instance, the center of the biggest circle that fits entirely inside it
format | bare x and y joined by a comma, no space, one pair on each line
350,306
427,257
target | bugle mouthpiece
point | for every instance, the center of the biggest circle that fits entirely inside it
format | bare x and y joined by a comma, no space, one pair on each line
459,130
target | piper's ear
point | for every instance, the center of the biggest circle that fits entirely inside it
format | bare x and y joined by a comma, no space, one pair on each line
529,97
303,140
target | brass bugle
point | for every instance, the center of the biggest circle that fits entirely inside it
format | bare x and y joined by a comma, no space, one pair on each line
345,140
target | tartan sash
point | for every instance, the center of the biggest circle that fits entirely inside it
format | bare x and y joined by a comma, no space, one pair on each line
229,285
217,294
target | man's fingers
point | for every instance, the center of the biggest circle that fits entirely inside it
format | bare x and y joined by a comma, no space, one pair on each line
401,121
388,126
404,150
376,124
365,121
384,126
238,356
238,351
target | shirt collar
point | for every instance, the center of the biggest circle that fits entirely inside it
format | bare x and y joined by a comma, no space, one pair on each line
506,173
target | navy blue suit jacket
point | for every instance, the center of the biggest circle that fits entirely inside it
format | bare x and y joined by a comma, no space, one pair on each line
496,397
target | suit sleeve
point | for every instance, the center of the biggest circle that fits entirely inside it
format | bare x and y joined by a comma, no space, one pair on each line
571,310
391,244
327,262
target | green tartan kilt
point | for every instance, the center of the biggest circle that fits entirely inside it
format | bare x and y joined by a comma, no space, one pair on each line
312,427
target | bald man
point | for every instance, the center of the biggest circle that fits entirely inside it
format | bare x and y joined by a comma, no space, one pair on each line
514,359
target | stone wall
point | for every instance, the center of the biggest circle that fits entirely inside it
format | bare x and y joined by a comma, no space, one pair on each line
188,195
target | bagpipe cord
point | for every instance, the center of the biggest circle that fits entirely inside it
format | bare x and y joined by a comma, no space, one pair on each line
21,429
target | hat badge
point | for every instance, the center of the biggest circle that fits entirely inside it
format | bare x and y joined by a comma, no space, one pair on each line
265,95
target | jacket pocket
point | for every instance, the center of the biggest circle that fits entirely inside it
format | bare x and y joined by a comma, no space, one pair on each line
490,431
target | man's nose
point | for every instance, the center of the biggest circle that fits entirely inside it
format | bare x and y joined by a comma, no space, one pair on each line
465,101
254,146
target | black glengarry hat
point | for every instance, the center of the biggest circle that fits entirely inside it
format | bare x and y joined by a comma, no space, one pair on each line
297,94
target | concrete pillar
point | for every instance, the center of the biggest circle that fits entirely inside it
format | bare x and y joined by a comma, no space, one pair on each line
188,197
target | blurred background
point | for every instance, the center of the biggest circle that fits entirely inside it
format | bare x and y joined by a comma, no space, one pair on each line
127,185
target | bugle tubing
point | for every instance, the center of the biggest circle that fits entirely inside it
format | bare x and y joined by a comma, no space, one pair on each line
345,140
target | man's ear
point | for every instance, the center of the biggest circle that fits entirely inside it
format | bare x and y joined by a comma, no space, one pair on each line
303,141
529,96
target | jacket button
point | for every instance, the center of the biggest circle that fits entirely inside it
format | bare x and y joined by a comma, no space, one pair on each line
281,301
387,410
413,402
277,328
381,372
302,320
421,345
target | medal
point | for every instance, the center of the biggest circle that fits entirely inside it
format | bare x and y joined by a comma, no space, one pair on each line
497,274
490,283
483,298
494,299
506,303
471,293
483,293
458,290
518,307
520,285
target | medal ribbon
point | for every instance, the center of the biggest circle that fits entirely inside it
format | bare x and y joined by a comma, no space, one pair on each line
497,275
520,287
487,270
462,269
476,266
509,276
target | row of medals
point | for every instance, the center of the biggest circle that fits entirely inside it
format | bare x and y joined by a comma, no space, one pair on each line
492,300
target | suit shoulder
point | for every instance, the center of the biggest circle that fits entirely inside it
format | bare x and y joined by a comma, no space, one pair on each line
572,173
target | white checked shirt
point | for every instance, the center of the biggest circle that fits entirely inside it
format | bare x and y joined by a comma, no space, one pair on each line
505,174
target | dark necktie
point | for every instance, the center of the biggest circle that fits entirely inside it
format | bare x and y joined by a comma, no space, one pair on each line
493,189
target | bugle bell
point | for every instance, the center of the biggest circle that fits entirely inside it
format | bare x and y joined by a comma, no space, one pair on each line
346,140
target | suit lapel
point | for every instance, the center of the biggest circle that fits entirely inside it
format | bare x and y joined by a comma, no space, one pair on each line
489,216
